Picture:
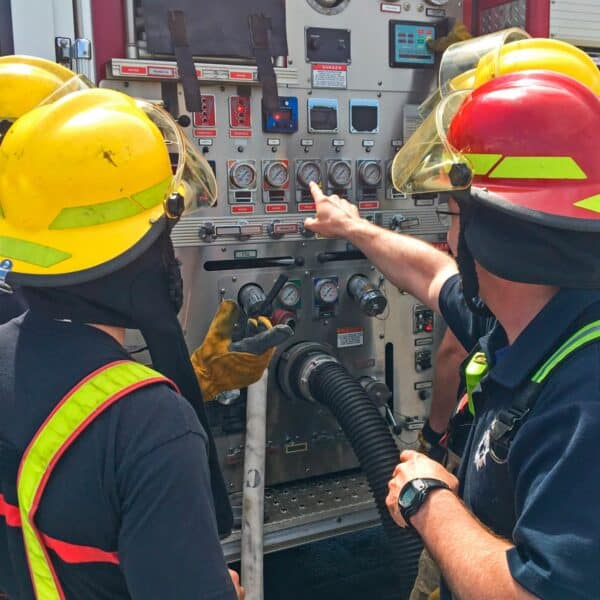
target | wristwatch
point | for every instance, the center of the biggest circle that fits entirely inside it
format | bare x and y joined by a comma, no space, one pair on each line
414,493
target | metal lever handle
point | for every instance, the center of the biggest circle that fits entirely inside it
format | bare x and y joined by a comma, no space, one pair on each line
267,305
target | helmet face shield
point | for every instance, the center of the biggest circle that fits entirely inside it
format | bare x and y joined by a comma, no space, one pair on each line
459,62
428,162
464,56
193,177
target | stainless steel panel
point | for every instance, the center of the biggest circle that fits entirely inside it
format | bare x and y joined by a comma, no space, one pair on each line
304,440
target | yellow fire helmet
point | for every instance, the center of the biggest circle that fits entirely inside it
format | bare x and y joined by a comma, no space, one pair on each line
87,184
535,54
28,81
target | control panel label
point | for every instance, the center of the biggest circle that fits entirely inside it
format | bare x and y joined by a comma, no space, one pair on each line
276,208
307,207
368,205
245,254
237,210
163,72
133,70
240,133
390,8
330,76
423,385
205,133
243,75
349,337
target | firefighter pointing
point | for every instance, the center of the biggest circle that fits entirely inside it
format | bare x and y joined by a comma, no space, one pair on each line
519,163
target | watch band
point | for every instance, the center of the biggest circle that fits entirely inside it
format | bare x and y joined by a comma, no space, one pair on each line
421,486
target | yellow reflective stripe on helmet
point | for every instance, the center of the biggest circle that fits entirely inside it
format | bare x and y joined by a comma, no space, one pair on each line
115,210
482,163
69,417
30,252
537,167
591,203
154,195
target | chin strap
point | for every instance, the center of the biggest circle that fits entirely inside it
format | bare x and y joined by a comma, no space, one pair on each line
465,260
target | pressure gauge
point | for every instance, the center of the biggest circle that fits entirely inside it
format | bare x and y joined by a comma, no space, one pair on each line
340,174
309,171
327,291
277,174
289,296
243,175
370,173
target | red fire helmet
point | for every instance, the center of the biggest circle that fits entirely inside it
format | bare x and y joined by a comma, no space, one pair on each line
532,141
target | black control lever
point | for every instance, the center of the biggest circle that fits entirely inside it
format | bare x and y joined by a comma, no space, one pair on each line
267,305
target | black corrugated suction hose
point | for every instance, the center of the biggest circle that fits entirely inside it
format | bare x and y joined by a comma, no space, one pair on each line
376,451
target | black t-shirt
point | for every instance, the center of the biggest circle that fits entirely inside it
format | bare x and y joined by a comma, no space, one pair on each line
11,305
135,482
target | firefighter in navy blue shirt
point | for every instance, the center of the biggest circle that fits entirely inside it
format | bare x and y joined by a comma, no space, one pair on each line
523,186
109,481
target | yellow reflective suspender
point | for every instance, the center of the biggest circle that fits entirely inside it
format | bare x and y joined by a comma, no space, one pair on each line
509,420
71,416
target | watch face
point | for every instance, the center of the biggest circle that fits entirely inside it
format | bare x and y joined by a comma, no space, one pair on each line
407,497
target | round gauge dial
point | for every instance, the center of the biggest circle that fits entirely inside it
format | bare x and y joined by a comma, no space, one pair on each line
340,174
309,171
277,175
289,296
327,291
243,175
370,173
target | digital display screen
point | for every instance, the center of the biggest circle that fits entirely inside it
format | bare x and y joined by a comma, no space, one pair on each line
408,44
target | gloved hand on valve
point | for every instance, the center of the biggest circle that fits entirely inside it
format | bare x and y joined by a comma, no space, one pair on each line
221,364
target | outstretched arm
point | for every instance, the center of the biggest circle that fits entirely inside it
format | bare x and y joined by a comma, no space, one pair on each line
409,263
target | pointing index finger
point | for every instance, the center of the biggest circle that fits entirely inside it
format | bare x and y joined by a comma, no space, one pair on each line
316,191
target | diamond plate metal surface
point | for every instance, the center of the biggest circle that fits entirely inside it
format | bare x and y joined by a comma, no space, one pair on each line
503,16
312,510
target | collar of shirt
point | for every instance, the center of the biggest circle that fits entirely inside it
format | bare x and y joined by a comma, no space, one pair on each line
537,340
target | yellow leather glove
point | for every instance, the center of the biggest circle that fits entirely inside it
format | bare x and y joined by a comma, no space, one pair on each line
223,365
